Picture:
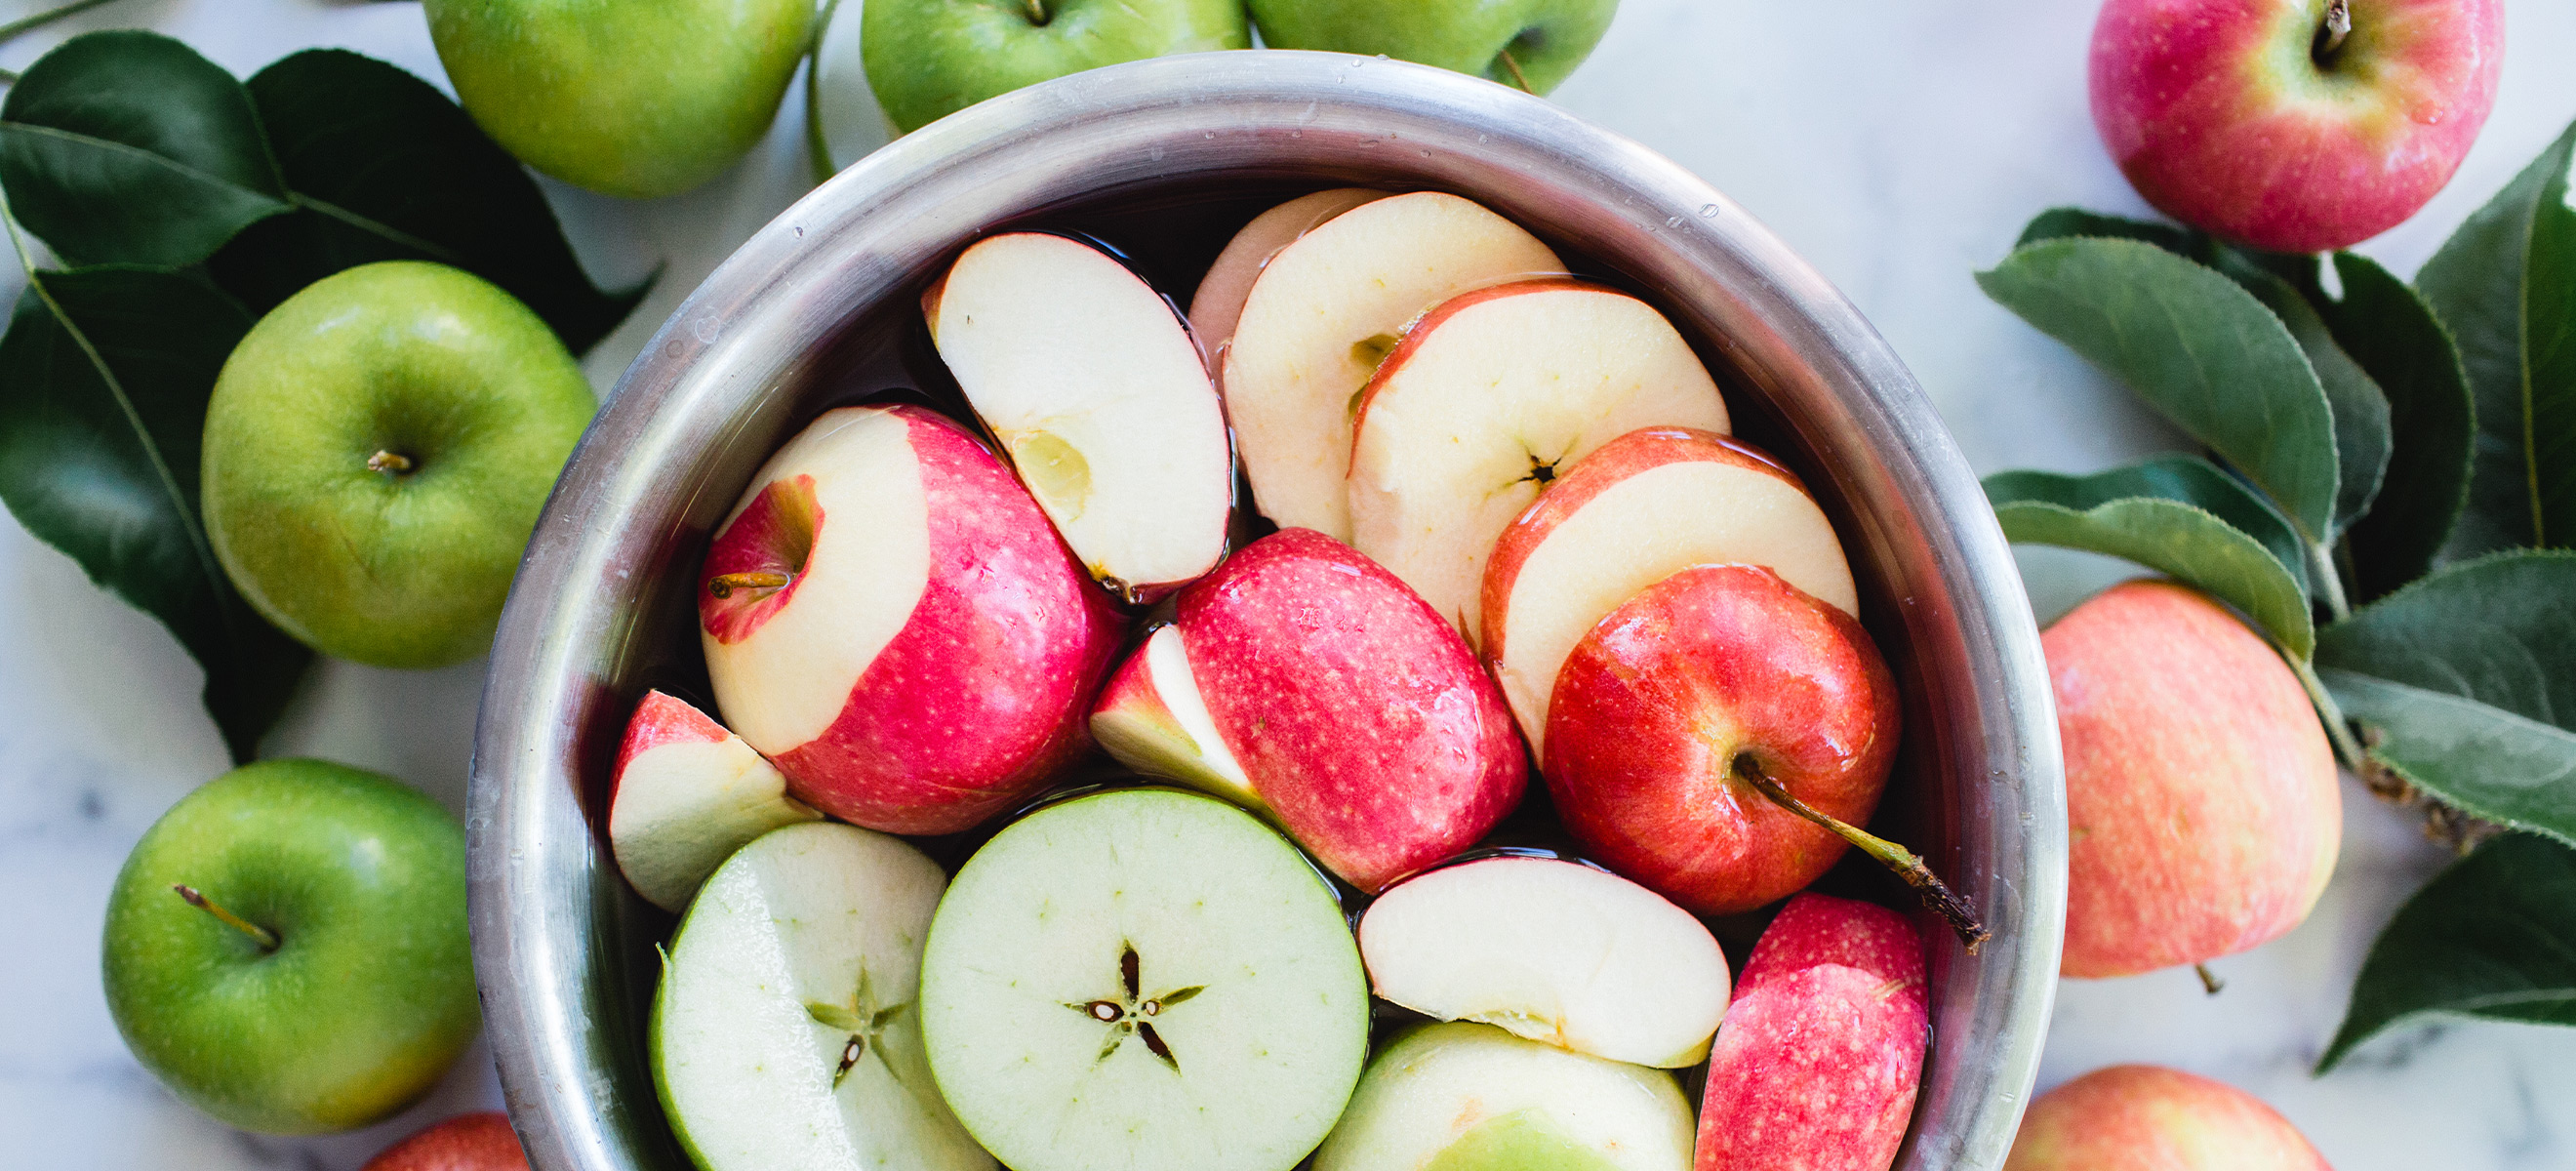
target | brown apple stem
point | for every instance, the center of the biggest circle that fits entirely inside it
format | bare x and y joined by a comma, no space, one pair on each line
389,462
1518,78
2338,25
1038,14
723,585
2209,980
266,939
1907,864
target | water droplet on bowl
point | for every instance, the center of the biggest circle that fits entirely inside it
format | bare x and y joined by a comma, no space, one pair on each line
1708,212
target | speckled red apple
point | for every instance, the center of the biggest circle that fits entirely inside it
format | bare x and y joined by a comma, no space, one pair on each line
481,1141
2148,1118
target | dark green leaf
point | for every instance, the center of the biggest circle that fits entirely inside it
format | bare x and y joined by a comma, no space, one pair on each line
2178,515
2494,936
387,168
2361,424
2393,334
2062,223
2497,638
104,375
2197,347
129,147
2505,284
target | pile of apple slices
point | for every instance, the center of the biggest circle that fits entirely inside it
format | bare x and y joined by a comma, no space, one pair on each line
1512,527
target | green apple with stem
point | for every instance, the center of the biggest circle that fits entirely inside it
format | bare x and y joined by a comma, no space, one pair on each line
376,452
929,60
628,99
1528,44
286,948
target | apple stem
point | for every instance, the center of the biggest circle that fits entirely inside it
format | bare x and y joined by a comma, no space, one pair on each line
1907,864
390,462
2208,979
1514,67
266,939
723,585
1038,15
2330,37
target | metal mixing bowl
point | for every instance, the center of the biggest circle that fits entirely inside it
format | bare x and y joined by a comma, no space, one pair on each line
602,608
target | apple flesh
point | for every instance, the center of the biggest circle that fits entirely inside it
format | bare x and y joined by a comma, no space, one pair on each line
1822,1051
787,1030
2257,122
1091,383
1664,710
1551,951
1336,703
1143,978
1485,401
1471,1097
1325,310
686,794
481,1141
1218,303
1644,506
2148,1118
888,617
2202,811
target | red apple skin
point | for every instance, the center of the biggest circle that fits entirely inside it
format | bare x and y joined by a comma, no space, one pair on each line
468,1142
1358,713
1818,1062
987,689
1655,704
2216,112
2148,1118
2203,815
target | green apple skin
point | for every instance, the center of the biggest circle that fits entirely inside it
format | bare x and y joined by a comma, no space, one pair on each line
392,568
369,996
627,98
927,59
1546,38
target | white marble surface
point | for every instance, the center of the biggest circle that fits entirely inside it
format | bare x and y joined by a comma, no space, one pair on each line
1897,147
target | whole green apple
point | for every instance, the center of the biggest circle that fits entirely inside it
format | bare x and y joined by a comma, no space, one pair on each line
313,973
376,453
1530,44
625,98
927,59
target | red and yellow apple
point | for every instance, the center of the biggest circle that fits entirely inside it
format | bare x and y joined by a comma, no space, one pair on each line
2148,1118
2201,803
482,1141
889,618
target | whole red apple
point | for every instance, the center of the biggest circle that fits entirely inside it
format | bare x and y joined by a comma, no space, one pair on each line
468,1142
1659,710
2148,1118
2270,123
2201,808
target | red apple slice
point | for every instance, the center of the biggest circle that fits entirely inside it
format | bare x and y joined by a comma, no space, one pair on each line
1092,384
1153,720
1218,304
891,620
1485,401
1642,507
1324,311
686,795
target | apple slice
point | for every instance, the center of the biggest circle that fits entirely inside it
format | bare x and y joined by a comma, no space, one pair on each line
686,795
1486,400
1644,506
1152,718
1090,381
911,668
786,1031
1324,311
1143,978
1218,304
1553,951
1470,1097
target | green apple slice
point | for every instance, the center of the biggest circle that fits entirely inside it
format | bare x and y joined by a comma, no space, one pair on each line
787,1031
1470,1097
1144,978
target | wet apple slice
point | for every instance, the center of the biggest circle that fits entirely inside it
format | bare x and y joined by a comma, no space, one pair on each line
1469,1097
687,794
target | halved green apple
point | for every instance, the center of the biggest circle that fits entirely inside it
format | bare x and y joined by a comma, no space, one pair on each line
1470,1097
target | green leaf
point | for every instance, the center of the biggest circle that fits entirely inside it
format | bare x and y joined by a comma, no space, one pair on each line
2394,335
387,168
2505,284
2361,423
2465,682
104,375
2194,345
128,147
2493,936
2062,223
2179,515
